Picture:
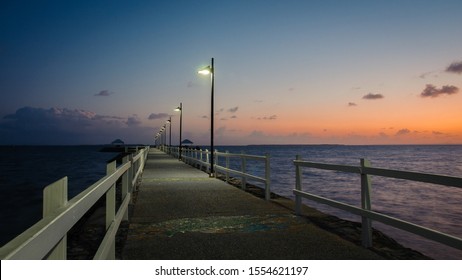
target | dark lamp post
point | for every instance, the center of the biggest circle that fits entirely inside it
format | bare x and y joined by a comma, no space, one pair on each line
210,70
180,109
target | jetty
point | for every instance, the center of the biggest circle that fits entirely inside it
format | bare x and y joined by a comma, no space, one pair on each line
182,213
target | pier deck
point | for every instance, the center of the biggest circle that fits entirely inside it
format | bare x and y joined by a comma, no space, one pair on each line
181,213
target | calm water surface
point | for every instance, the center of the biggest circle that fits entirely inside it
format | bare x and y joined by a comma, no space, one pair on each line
26,170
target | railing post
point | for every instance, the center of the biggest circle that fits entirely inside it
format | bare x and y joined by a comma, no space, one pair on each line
243,170
125,185
298,187
201,159
111,205
267,176
227,166
215,162
195,158
366,227
130,173
207,157
54,197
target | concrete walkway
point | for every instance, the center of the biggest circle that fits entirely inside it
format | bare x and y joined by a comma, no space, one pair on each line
181,213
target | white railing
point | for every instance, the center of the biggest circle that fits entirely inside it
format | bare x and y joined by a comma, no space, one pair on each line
365,170
201,160
47,238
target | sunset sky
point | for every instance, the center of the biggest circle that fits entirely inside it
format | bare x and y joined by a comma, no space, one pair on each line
286,72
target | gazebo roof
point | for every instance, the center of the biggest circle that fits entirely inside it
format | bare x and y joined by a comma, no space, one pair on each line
187,142
117,141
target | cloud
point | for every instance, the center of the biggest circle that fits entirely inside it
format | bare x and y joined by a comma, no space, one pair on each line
134,120
455,67
233,110
155,116
432,91
352,104
402,132
426,74
39,126
104,93
372,96
272,117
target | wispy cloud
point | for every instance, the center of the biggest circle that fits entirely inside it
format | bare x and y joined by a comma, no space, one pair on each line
352,104
157,116
233,110
431,91
104,93
270,118
373,96
427,74
402,132
455,67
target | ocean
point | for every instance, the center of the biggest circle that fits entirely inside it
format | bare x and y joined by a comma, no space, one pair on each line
26,170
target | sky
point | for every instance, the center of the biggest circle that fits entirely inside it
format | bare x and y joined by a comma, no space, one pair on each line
286,72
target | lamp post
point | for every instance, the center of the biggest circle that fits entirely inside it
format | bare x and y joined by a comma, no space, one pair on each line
169,121
164,137
206,71
180,109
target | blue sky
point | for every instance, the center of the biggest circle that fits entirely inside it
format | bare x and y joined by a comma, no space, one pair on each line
88,72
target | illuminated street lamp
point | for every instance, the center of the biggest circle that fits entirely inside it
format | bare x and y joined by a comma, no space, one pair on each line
180,109
210,70
169,121
164,136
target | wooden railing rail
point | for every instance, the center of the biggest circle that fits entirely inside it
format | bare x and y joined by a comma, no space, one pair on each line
47,238
366,171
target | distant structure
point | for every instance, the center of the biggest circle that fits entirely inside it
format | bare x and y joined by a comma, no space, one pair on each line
117,143
186,142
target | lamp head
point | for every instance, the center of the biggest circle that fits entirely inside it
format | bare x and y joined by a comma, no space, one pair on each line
206,71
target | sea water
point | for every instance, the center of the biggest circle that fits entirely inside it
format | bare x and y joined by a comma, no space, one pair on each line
26,170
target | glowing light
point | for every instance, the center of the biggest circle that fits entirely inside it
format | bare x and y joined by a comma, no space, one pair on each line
205,71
